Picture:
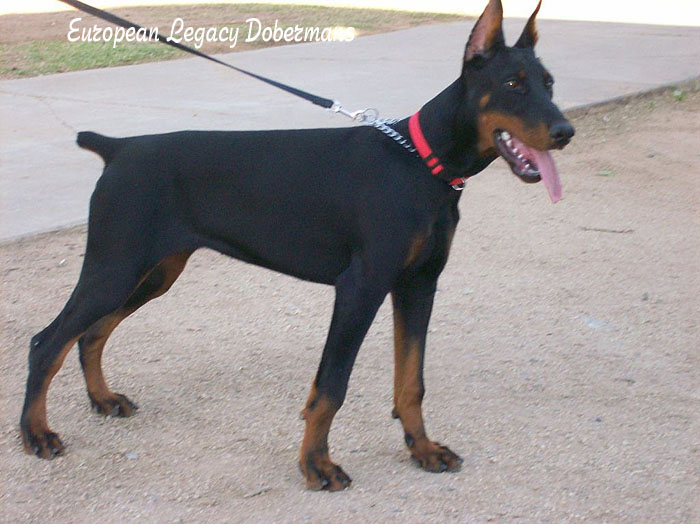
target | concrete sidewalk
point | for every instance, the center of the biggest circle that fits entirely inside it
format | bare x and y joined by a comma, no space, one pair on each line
46,181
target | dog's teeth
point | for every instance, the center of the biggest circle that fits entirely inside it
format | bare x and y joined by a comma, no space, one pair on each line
505,135
509,142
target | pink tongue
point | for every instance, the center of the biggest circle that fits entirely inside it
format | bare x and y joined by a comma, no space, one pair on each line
548,172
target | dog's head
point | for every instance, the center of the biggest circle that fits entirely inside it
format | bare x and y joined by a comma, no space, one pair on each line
516,118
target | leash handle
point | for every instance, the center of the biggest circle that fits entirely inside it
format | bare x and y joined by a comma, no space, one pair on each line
116,20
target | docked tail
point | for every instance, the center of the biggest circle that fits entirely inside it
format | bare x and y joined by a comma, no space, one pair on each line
104,146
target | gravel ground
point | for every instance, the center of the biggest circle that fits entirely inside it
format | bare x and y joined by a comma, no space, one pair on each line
563,364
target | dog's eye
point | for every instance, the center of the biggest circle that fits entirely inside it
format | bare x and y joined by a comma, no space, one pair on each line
513,83
548,82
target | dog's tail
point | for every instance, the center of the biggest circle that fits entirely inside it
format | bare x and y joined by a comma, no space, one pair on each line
104,146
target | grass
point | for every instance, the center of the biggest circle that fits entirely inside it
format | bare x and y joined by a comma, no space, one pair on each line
42,58
32,45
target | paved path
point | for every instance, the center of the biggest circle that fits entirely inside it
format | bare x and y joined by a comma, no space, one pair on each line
46,181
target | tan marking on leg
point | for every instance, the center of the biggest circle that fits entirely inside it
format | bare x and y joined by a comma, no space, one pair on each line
96,336
408,393
36,413
93,345
408,397
317,467
318,424
310,401
172,266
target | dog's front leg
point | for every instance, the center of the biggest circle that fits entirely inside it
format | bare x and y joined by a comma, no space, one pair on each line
413,303
360,290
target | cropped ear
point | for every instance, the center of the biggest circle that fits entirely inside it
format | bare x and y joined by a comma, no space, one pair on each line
529,36
487,34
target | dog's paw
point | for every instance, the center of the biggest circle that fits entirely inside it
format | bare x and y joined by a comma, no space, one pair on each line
436,458
114,406
44,443
322,474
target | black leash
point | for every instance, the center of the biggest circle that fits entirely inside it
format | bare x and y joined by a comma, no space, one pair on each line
114,19
364,116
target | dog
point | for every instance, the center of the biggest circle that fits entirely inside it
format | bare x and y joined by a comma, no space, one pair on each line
355,211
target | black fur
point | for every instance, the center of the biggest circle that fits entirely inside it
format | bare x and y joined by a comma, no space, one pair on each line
344,207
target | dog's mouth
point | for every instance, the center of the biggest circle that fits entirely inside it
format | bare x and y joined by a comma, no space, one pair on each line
531,165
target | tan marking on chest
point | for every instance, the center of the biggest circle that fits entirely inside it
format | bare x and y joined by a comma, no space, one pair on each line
417,246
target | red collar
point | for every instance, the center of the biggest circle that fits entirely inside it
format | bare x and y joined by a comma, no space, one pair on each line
426,153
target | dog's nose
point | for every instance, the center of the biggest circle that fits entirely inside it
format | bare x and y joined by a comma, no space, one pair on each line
561,132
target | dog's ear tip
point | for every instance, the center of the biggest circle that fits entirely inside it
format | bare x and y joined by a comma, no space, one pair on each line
529,36
487,32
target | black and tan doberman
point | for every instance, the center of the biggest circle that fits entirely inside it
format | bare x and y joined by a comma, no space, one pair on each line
355,211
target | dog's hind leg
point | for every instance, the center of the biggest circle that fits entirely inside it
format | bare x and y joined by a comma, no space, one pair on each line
413,303
96,294
112,270
92,343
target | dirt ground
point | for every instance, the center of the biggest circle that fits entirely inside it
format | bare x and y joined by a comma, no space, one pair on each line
563,364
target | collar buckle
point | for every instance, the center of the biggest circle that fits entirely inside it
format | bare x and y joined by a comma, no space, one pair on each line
458,184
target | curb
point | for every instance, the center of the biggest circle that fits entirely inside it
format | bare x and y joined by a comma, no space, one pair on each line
689,84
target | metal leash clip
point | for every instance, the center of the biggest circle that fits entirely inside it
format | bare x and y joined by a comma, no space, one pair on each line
362,116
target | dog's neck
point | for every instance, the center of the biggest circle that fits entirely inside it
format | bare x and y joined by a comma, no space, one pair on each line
450,128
